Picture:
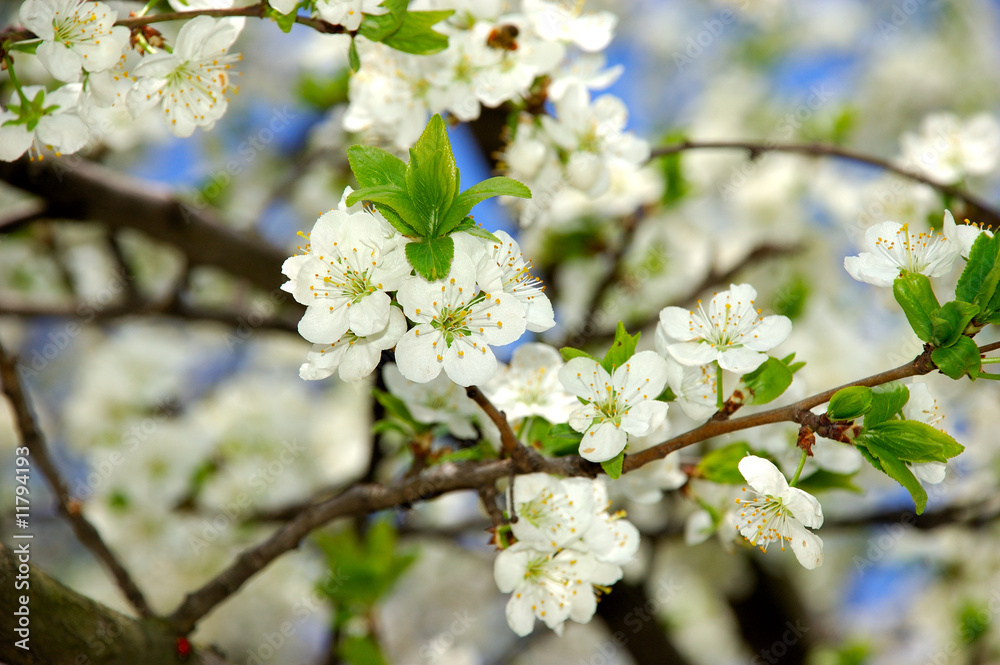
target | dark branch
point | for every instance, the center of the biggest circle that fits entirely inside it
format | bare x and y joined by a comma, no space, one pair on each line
31,437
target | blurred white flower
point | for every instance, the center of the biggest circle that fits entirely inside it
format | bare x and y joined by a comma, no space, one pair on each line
75,34
530,385
948,149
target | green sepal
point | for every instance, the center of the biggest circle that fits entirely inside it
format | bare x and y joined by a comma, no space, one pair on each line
431,257
613,466
887,401
722,464
849,403
353,59
959,359
621,349
914,294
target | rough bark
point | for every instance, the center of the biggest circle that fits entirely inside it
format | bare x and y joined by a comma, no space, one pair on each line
67,628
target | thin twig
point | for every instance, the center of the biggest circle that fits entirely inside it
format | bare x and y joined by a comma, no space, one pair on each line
826,150
31,437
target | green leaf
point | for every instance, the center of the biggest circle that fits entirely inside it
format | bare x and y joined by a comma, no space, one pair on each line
360,650
373,167
284,21
464,202
910,441
561,439
396,408
377,28
722,464
849,403
621,349
979,280
914,294
767,382
887,401
415,35
432,178
828,480
469,226
353,59
896,469
431,257
948,322
568,353
613,467
794,367
404,215
959,359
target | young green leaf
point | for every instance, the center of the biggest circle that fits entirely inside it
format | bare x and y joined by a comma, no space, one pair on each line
767,382
561,439
378,27
464,202
896,469
948,322
823,480
621,349
432,178
469,226
416,36
722,464
914,294
353,59
373,167
849,403
887,401
910,441
568,353
613,467
431,257
959,359
979,280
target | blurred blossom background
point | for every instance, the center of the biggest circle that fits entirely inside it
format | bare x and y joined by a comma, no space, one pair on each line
185,438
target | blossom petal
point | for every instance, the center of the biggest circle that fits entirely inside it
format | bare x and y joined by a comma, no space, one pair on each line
676,324
804,507
808,547
416,356
763,476
693,353
741,360
602,442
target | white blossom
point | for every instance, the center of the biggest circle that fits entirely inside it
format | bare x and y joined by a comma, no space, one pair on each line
353,357
351,261
457,319
554,20
75,34
609,536
190,84
551,513
894,248
694,386
618,404
529,385
730,331
348,13
947,148
48,120
519,282
552,586
439,400
777,512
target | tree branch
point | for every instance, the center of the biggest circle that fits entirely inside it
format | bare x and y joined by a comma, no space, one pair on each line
31,437
825,150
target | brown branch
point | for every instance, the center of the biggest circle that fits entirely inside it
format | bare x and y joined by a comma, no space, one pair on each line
31,437
77,189
367,498
825,150
260,10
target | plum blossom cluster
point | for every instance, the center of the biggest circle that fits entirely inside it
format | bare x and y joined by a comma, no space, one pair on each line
354,279
104,78
947,149
568,547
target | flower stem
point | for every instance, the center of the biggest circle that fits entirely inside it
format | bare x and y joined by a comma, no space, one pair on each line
719,402
145,10
991,377
13,79
990,361
798,469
